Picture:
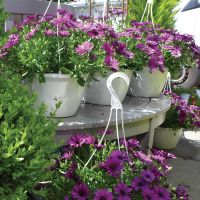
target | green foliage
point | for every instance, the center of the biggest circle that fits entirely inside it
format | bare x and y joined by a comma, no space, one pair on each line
3,17
163,11
26,141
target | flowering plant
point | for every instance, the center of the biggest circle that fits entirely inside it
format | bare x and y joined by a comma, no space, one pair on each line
181,114
159,48
111,174
60,43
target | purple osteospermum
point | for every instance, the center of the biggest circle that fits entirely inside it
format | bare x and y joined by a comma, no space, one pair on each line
143,157
63,33
12,41
123,191
84,48
138,183
113,166
112,63
162,193
89,139
148,176
31,34
108,48
181,192
77,140
80,192
121,155
70,174
103,194
49,32
148,194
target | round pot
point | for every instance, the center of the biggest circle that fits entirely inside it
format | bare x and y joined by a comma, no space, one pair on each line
97,92
147,84
58,87
167,138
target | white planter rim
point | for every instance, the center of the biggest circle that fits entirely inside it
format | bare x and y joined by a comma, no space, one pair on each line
56,75
169,129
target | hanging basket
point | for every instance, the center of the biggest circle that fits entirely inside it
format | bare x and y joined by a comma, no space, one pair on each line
147,84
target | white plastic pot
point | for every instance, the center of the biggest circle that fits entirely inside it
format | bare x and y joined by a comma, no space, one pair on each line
147,84
167,138
59,87
97,92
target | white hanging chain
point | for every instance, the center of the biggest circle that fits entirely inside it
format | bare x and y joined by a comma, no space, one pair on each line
149,9
115,105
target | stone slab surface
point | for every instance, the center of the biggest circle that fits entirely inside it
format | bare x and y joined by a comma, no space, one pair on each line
135,109
186,168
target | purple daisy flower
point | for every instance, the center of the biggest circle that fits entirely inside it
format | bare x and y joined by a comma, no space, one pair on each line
113,166
148,194
77,140
143,157
12,41
181,192
156,172
31,34
138,183
148,176
103,194
84,48
89,139
49,32
121,155
112,63
123,191
70,174
108,48
162,193
80,192
63,33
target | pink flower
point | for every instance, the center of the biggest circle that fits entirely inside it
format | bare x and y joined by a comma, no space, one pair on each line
84,48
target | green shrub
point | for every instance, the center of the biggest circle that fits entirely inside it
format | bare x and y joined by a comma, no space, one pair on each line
26,141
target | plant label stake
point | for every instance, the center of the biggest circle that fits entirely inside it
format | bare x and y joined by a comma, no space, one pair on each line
115,105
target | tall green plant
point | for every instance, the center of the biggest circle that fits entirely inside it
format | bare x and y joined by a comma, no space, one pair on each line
164,11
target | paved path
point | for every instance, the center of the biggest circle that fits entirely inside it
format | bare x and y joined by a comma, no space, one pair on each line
186,168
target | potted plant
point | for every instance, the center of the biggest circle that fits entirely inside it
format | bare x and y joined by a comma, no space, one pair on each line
180,115
114,57
157,51
111,174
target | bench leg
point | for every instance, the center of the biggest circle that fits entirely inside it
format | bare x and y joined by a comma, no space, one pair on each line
151,135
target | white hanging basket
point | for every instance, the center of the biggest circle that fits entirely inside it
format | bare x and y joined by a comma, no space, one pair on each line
58,87
147,84
97,92
167,138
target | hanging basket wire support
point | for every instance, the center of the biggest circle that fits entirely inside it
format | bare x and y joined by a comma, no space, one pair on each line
117,106
149,9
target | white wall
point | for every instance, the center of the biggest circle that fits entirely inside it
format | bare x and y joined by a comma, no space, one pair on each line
189,21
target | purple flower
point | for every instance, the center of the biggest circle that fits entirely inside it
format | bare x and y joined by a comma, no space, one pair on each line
108,48
31,34
138,183
112,63
3,53
94,33
77,140
62,11
121,155
70,174
12,41
63,33
123,191
181,192
148,194
175,51
162,193
143,157
49,32
80,192
89,139
84,48
156,172
113,166
103,194
29,19
148,176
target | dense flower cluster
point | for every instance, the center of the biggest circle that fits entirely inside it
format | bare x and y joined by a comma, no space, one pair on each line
181,113
63,43
159,48
112,174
